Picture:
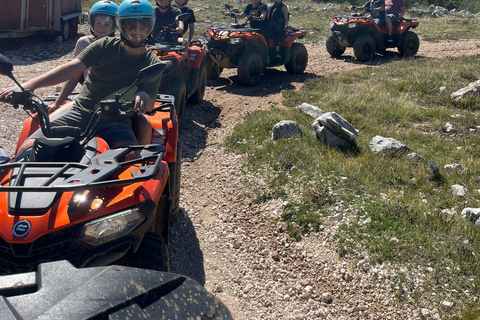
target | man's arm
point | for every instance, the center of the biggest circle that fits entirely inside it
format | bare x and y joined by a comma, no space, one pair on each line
72,69
191,31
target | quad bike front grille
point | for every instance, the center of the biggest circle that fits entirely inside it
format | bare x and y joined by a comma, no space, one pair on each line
19,258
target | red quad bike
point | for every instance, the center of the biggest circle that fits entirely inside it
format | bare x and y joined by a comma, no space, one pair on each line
247,50
188,81
366,38
71,197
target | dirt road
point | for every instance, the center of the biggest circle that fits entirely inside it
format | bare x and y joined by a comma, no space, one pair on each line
237,249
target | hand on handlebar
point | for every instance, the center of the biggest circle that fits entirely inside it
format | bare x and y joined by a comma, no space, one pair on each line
142,101
7,93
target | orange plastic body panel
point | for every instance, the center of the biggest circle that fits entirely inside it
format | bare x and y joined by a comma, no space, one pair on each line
114,199
195,56
291,36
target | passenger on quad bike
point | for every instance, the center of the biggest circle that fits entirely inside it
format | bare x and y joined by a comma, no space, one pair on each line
114,64
257,13
394,9
376,9
101,19
189,24
367,37
277,16
166,16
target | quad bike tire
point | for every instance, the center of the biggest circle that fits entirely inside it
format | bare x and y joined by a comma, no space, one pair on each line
364,47
178,89
152,253
409,44
333,48
298,59
250,68
198,95
73,28
64,30
213,70
174,181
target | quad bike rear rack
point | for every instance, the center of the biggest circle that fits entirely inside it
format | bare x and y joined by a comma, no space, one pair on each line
73,176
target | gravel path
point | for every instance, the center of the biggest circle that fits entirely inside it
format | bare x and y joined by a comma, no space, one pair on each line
240,250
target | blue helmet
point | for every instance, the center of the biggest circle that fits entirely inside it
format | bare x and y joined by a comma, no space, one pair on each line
105,7
135,14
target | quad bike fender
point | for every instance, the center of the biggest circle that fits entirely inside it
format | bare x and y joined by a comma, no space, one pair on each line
195,57
290,36
165,132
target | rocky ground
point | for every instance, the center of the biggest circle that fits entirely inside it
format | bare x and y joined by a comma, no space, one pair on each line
237,249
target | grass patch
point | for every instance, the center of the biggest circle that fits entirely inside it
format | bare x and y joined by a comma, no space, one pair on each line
398,211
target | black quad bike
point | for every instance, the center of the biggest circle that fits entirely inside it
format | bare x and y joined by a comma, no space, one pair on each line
71,197
188,81
247,50
366,38
58,291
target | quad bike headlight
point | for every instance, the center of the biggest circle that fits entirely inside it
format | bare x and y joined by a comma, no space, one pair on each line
207,37
331,24
111,227
353,25
235,40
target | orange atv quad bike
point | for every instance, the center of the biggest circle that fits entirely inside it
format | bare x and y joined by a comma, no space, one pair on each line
247,50
188,81
366,38
71,197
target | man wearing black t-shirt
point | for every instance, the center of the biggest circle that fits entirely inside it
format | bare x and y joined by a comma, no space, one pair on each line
190,22
165,16
256,9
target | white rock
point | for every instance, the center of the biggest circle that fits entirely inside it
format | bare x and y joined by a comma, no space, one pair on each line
458,190
447,305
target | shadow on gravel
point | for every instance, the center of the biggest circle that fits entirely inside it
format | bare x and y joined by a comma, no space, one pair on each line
186,257
192,133
273,81
378,59
36,48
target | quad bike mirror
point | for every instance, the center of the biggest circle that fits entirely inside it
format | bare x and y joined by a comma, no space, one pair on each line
147,74
6,67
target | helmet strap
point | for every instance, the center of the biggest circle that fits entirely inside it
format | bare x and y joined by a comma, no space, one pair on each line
131,45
